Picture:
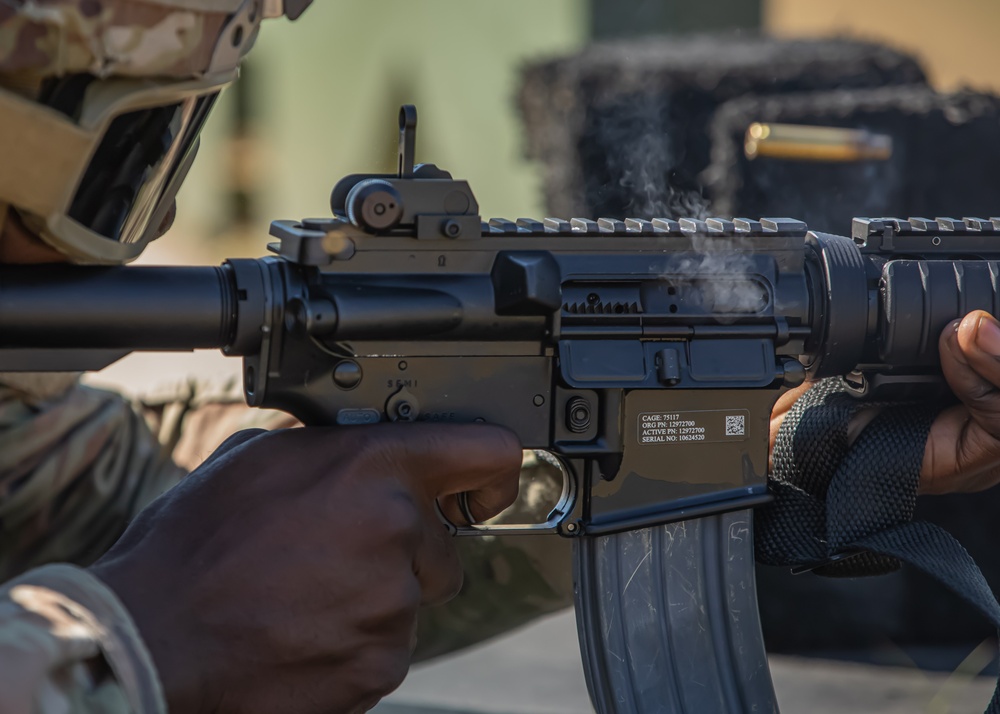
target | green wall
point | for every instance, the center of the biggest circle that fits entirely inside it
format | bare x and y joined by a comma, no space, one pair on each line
321,97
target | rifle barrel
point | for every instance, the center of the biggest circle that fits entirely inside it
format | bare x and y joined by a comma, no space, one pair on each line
141,307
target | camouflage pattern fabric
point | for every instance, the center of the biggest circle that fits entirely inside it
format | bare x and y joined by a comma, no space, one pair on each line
67,645
76,464
45,38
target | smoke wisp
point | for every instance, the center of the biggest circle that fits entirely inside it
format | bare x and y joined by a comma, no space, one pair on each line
720,272
642,162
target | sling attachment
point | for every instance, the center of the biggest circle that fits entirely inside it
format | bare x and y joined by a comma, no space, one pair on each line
845,509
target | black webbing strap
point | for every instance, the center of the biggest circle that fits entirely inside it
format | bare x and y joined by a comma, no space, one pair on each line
845,510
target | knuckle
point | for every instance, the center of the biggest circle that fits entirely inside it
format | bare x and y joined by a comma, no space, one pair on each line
978,445
984,397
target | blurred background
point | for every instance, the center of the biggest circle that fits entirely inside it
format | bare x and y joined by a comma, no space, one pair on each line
318,98
614,107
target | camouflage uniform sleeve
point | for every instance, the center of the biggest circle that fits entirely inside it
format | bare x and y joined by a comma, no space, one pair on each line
68,645
193,417
76,464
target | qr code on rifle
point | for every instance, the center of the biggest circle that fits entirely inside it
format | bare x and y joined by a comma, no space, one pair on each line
736,425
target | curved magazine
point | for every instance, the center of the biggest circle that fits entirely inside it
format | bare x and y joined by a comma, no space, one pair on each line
668,622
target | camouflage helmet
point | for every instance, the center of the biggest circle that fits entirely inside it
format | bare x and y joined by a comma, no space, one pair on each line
101,102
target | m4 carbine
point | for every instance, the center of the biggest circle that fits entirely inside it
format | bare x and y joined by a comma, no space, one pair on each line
645,355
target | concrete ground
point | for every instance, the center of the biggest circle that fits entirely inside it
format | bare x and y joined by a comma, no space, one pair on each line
537,671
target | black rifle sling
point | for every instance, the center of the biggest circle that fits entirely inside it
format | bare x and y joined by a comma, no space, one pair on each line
845,510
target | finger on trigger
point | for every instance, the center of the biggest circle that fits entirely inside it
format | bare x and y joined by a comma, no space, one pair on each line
451,510
483,504
449,459
479,505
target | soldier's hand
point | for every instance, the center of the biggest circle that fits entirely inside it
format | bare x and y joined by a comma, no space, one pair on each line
962,453
963,449
285,574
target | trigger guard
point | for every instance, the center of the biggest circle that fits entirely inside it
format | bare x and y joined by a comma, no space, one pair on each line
463,506
449,526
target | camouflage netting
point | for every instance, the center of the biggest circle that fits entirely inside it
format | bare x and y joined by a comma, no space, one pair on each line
655,128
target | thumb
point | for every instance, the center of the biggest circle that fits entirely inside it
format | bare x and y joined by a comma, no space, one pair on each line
963,448
970,362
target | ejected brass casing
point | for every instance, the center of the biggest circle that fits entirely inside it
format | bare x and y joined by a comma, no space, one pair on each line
798,142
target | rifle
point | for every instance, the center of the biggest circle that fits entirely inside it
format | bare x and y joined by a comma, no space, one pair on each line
645,355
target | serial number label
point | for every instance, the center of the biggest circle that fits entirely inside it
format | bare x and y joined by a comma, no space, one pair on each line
710,426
